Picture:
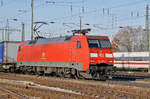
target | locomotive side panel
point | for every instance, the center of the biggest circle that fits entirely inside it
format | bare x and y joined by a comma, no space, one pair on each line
49,55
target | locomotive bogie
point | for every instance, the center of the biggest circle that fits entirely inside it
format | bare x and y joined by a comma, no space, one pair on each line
74,65
60,54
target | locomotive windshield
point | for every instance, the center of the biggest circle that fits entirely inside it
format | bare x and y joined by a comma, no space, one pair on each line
99,43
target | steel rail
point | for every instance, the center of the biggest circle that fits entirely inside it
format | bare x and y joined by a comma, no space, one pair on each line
112,90
13,93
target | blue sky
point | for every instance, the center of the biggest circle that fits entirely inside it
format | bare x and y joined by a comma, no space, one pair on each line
67,18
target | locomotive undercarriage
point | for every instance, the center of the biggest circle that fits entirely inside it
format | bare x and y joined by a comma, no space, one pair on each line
7,67
54,71
95,71
100,70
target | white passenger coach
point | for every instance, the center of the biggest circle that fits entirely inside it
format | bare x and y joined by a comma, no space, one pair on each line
131,60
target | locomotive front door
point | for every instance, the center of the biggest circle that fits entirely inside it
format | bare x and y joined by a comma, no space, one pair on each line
76,52
73,52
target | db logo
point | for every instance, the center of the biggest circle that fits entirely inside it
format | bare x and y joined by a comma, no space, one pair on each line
101,55
43,54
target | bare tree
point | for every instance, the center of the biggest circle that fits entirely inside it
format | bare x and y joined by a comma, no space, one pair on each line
130,39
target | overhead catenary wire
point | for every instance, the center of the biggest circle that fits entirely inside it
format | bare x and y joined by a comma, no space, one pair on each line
77,14
46,3
94,10
67,16
127,4
98,9
7,3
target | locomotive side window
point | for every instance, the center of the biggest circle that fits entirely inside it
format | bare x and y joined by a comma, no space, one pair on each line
78,44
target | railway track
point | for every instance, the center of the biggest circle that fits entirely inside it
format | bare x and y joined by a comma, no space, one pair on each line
89,91
110,93
125,77
86,91
119,77
12,93
129,76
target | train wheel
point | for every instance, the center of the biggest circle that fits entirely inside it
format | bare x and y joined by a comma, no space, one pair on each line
94,74
61,74
75,74
11,69
41,73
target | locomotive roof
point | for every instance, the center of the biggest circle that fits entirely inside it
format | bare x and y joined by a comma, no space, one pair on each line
59,39
97,37
49,40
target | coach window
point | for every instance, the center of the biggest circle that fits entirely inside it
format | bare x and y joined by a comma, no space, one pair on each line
78,44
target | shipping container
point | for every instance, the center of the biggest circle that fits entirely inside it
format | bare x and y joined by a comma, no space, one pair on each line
1,53
8,52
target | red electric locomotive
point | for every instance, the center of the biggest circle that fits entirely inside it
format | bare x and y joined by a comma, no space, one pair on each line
76,55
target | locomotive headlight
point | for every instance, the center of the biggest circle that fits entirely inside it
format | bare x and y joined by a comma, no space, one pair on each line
110,61
92,61
101,55
93,54
109,55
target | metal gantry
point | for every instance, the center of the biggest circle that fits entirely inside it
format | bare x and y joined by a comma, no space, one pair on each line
148,33
32,18
7,30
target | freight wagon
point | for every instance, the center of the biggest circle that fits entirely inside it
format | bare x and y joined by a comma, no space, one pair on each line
8,54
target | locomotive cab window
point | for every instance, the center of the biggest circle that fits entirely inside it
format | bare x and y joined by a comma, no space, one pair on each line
105,43
93,43
78,44
99,43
